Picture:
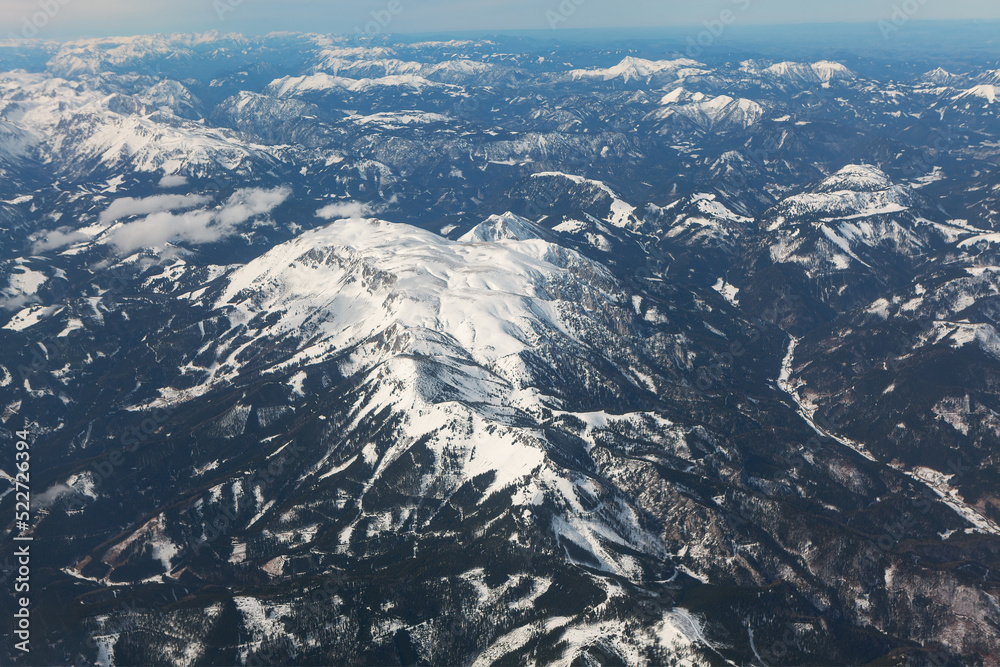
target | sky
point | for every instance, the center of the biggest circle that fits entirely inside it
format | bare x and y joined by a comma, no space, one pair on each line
59,19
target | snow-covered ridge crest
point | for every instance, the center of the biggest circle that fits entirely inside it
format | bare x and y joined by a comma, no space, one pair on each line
322,82
854,192
356,279
503,227
621,213
448,71
698,220
850,214
823,71
856,178
631,68
708,111
986,91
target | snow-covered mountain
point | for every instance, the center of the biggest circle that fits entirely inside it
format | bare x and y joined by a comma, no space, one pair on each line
700,220
823,71
849,218
86,131
984,91
711,113
640,69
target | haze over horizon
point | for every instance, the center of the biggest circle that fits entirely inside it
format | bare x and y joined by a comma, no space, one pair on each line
63,19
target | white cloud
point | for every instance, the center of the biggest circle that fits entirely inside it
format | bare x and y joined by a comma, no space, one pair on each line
129,206
173,181
156,230
17,302
163,224
51,495
58,238
161,227
250,202
344,209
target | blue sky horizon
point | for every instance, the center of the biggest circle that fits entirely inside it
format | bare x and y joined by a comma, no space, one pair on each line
68,19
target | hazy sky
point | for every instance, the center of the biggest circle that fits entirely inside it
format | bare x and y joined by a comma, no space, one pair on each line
117,17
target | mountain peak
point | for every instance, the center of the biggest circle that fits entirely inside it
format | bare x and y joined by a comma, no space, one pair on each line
823,71
721,111
505,227
986,91
856,178
632,68
940,76
991,76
